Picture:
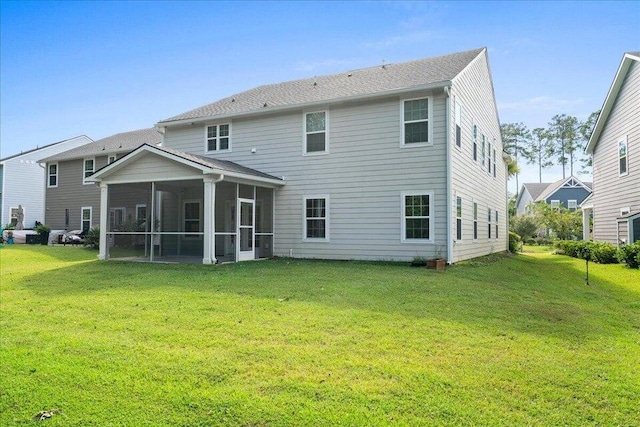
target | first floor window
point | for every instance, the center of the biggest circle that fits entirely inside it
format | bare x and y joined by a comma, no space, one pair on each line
53,175
218,138
85,216
489,223
417,216
458,218
572,205
116,218
315,136
17,215
623,158
141,216
66,218
475,221
415,114
315,217
192,217
555,204
89,169
496,224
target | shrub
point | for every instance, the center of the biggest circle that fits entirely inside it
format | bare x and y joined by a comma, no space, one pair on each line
514,242
524,225
600,252
630,255
92,239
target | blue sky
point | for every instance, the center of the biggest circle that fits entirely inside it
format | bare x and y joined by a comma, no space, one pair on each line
99,68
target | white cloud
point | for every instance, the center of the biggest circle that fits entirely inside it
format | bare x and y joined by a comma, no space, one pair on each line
418,36
327,64
540,103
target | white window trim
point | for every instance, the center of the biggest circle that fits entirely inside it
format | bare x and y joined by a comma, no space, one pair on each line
474,142
305,133
82,209
457,123
84,180
484,150
403,217
111,158
206,138
626,157
326,218
575,204
475,230
24,213
555,202
142,205
489,224
112,212
625,211
459,218
57,174
496,224
429,123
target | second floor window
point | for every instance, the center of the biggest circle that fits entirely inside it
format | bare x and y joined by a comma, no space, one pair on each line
89,169
53,175
458,119
475,142
415,114
622,157
218,138
315,132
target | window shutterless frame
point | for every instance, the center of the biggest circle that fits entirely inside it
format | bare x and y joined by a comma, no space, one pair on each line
623,157
52,175
315,218
416,118
88,168
417,208
315,131
217,138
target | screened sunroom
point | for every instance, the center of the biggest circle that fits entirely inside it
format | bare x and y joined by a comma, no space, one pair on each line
166,206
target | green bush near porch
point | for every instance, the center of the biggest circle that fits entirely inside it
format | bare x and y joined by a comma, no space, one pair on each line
505,340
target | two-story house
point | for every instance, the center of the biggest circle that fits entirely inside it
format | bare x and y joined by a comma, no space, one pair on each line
615,148
568,193
22,182
390,162
72,201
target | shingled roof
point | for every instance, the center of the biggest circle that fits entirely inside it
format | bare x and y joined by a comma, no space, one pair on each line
350,84
119,143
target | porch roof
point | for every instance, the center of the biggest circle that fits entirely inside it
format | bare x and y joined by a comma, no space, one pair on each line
199,164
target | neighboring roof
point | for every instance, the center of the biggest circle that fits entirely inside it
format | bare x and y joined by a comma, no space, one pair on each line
535,189
348,85
552,188
627,60
118,143
206,164
42,148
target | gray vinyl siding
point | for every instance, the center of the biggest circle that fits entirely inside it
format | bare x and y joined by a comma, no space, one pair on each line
470,180
525,200
612,192
364,176
72,194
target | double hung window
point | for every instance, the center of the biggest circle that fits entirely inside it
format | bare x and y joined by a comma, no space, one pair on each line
415,125
316,218
315,132
417,217
218,138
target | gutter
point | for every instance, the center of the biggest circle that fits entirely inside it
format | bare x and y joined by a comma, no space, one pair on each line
447,91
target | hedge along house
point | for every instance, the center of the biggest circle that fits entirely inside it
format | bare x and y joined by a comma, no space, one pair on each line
383,163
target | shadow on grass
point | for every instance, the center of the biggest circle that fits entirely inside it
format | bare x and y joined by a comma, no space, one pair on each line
531,294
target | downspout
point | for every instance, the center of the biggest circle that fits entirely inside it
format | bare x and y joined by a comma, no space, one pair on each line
447,91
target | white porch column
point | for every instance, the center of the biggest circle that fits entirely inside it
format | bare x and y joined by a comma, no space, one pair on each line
209,255
104,220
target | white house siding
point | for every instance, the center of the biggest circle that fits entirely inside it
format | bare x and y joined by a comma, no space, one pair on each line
470,180
24,181
612,192
364,176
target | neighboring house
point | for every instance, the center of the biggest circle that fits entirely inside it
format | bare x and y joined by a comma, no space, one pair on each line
384,163
22,182
73,202
615,149
568,193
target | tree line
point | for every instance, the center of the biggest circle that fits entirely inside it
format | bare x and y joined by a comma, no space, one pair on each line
562,142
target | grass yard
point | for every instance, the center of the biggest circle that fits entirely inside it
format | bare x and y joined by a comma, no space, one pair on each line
502,341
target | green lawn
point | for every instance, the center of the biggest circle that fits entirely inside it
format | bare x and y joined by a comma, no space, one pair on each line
503,341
